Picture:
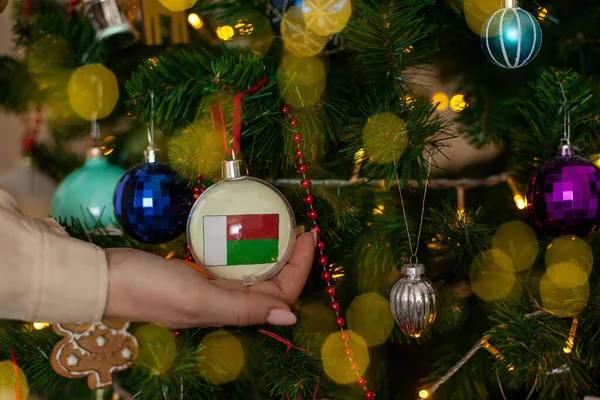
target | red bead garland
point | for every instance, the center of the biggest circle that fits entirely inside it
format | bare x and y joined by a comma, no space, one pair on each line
29,139
305,184
322,259
330,291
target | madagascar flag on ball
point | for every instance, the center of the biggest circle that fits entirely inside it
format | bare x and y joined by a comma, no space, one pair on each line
241,239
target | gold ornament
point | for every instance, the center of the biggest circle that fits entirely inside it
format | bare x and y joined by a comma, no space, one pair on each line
297,37
326,17
153,12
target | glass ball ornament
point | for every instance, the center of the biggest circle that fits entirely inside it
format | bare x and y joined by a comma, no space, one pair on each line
87,193
562,195
241,228
413,301
511,37
151,205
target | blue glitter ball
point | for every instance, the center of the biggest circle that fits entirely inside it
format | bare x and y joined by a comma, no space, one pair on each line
511,38
150,205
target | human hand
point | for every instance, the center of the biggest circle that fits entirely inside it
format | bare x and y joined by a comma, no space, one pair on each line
145,287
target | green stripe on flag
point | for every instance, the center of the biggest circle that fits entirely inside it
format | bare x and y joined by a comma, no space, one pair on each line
261,251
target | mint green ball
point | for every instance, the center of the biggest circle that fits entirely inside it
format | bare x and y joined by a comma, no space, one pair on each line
87,194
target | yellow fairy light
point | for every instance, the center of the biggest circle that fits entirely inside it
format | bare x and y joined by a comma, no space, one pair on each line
520,201
378,210
492,275
40,325
440,100
494,351
408,49
571,339
225,32
542,13
170,255
195,21
359,156
424,394
458,103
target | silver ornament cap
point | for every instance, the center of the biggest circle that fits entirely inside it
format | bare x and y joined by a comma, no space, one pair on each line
413,301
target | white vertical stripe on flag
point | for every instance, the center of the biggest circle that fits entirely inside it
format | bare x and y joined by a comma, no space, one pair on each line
215,240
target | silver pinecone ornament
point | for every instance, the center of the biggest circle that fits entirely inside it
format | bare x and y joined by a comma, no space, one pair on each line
413,301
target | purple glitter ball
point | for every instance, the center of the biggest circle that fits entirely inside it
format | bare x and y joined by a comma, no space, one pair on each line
563,196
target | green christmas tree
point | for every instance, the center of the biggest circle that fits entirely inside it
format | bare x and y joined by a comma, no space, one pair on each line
377,96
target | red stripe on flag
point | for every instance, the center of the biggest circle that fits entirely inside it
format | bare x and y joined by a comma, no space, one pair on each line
253,227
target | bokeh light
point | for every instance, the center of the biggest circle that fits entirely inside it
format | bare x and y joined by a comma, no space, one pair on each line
440,101
335,361
10,375
252,33
326,17
563,302
519,242
177,5
40,325
195,21
458,103
316,318
301,80
384,138
478,11
371,317
157,348
492,275
197,148
297,37
220,357
569,261
225,32
93,91
423,394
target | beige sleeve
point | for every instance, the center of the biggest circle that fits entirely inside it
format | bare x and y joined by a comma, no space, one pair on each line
45,275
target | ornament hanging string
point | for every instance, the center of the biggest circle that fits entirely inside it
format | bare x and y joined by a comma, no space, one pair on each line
218,119
567,118
17,387
413,252
291,346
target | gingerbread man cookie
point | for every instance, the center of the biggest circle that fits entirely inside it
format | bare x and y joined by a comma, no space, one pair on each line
93,350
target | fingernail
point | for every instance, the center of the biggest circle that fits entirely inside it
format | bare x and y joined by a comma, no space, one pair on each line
281,317
315,237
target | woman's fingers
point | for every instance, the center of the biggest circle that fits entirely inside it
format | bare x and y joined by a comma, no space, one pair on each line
288,284
242,308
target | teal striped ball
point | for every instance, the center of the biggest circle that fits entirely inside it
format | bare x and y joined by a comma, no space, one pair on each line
511,38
